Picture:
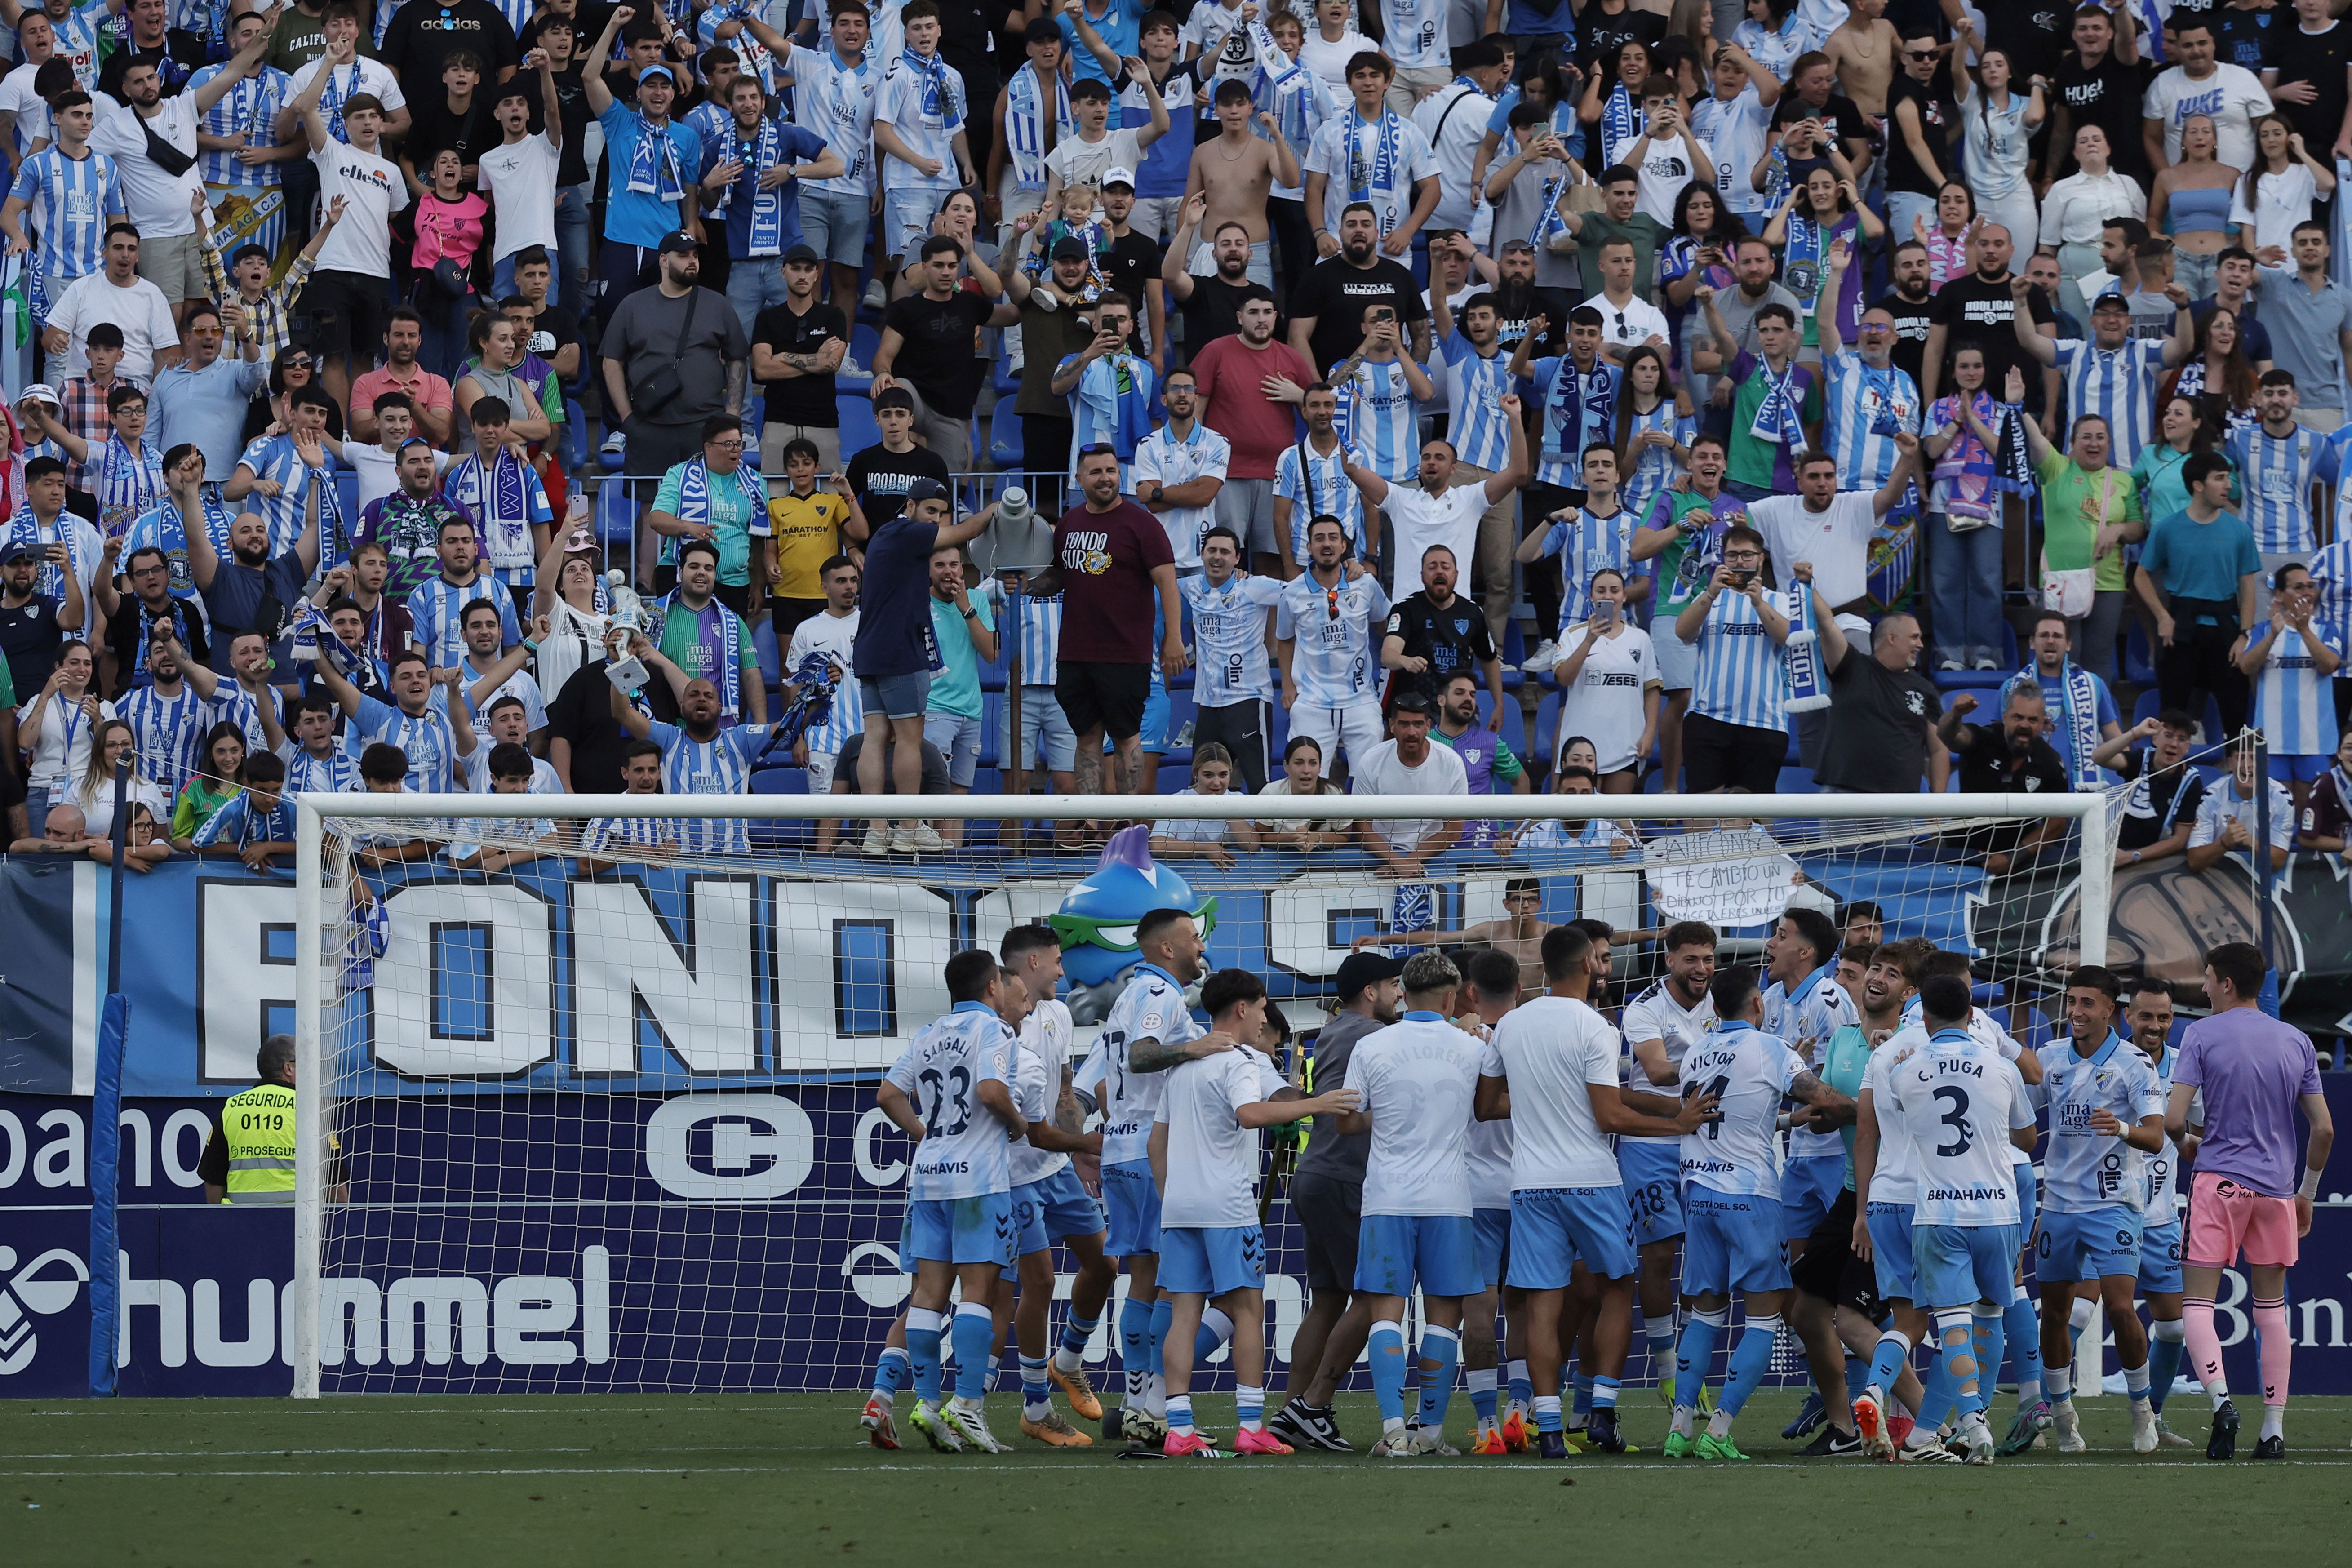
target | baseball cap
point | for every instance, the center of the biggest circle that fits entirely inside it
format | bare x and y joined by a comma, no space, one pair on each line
801,253
926,490
1070,247
1119,176
16,550
663,70
1359,969
679,243
2111,299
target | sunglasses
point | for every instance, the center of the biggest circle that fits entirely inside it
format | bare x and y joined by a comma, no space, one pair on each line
1918,54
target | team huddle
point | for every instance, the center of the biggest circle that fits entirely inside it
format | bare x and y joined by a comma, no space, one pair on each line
1529,1159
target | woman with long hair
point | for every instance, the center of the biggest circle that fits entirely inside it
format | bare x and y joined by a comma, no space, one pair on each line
81,819
294,368
2184,426
1821,210
1997,122
2075,212
1960,436
449,232
1774,34
211,786
1597,656
1654,430
1612,100
1541,83
958,219
2284,187
2090,514
1947,243
570,612
56,728
2190,201
1302,774
2217,369
1699,251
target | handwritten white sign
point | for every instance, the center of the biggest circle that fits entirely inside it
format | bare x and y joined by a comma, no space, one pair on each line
1726,877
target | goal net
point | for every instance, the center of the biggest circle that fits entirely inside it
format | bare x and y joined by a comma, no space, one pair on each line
589,1082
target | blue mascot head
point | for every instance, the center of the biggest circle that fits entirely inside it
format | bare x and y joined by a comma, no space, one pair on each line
1097,921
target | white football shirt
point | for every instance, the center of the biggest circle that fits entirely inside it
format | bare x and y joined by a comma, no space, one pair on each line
1551,1051
1211,1157
963,1148
1150,1008
1896,1179
1749,1073
1657,1014
1042,1049
1959,1101
1418,1078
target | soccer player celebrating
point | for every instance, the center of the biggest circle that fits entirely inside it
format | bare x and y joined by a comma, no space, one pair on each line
1732,1207
1551,1067
1149,1031
1661,1025
2150,1021
2106,1114
1955,1099
1048,1202
1490,989
948,1090
2255,1072
1204,1156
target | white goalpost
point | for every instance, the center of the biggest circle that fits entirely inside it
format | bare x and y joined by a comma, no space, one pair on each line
609,1124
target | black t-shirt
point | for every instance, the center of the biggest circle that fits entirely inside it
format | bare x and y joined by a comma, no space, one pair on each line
1453,639
1975,313
572,98
879,478
2251,38
844,768
1938,119
2107,95
1599,34
1879,717
2032,35
1912,319
1215,311
1987,768
434,125
125,636
588,19
2319,59
414,50
181,56
938,356
1839,113
1334,293
552,329
29,636
1132,266
2158,806
582,714
800,399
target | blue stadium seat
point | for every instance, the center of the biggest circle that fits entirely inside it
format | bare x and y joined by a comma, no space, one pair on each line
1006,378
1004,436
1173,778
347,496
1547,735
865,340
2144,709
763,648
617,517
2140,659
782,832
858,430
575,436
1182,715
1796,781
1515,722
1978,680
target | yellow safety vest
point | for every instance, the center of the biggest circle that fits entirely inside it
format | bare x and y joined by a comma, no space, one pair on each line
259,1128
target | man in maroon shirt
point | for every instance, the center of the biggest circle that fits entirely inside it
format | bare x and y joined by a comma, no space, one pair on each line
1110,559
1249,385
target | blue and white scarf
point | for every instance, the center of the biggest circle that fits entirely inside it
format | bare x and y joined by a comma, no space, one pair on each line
941,88
720,631
653,163
1381,174
2078,691
1026,141
694,489
334,95
1801,656
129,483
27,526
757,157
1621,125
499,502
1578,398
1779,418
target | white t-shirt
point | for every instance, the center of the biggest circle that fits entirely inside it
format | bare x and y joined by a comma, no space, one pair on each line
1378,772
32,111
2232,96
372,77
1552,1050
1419,1077
1835,540
379,470
1748,1071
1733,132
1665,168
1453,122
1191,829
520,179
1080,162
155,202
1635,325
2281,201
544,780
1037,1082
141,310
64,751
832,636
362,243
1211,1157
1605,703
1328,61
98,815
1491,1149
1421,519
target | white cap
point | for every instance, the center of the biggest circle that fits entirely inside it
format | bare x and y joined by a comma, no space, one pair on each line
41,392
1119,176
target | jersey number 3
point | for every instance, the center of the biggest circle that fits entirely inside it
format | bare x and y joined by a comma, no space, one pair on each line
1955,1101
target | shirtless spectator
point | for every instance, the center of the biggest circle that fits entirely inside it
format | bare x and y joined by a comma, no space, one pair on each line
1237,171
1519,933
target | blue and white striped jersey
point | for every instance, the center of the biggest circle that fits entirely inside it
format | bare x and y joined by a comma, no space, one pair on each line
2118,383
2331,568
1377,413
69,200
1740,678
2276,472
834,636
232,704
240,823
275,459
1229,638
1585,543
609,833
337,772
1471,387
2162,1206
965,1152
720,766
2293,704
169,731
249,108
1866,408
1318,486
1039,640
1333,663
1202,455
435,613
1654,468
426,739
1574,416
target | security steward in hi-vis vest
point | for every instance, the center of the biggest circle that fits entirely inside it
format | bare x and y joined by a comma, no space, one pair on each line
249,1158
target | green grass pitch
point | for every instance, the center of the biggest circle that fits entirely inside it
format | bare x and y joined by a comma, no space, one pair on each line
637,1479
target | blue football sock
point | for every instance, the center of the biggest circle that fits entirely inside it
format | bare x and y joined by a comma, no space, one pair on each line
892,1370
1857,1369
1161,1312
1217,1331
1135,1342
1078,1333
975,1339
1695,1355
1522,1387
1441,1351
1604,1393
1179,1413
1938,1389
1037,1393
2021,1327
1482,1394
1385,1345
2163,1362
1749,1362
923,1353
1988,1331
1954,1330
1582,1404
1546,1407
1886,1366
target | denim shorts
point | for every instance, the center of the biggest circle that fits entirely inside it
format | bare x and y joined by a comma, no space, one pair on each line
957,738
1042,718
835,224
906,220
897,696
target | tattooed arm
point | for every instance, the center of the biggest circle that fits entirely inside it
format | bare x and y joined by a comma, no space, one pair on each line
1155,1055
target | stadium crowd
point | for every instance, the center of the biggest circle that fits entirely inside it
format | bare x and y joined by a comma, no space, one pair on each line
1647,385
